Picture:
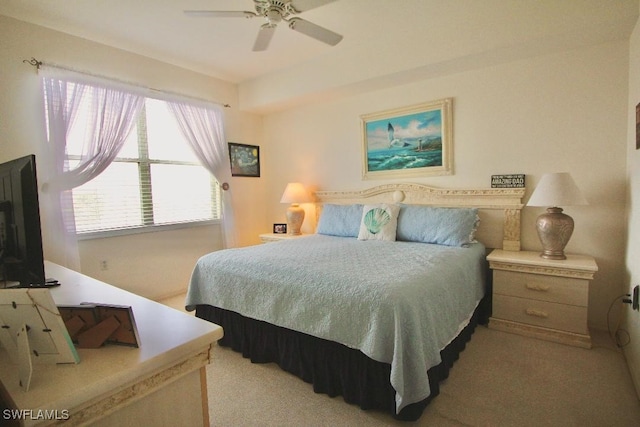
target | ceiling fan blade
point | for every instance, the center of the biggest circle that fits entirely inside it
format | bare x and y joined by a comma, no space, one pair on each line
264,37
302,5
220,14
315,31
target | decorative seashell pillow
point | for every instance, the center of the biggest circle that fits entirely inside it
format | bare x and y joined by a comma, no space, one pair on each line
379,222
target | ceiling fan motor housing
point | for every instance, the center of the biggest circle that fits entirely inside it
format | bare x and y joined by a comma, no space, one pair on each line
275,10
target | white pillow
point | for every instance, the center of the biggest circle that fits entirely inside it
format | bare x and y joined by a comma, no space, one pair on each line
379,222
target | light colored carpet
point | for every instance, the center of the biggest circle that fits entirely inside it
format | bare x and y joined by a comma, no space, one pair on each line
501,379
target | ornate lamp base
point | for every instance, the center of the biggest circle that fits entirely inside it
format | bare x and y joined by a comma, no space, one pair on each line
295,217
554,230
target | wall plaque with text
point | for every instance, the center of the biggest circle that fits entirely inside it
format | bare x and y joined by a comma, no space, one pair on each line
507,181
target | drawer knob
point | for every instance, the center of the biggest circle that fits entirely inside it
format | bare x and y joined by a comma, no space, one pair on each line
537,287
536,313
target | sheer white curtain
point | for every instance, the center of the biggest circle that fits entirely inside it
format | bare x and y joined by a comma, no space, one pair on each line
203,127
109,119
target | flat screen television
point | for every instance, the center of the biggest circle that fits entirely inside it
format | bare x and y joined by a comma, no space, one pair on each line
21,254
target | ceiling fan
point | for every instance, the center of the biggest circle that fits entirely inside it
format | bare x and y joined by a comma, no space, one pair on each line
275,11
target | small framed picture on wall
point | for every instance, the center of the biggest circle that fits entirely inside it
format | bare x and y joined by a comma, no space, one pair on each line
245,159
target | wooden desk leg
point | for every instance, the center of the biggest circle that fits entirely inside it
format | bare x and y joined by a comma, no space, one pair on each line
205,397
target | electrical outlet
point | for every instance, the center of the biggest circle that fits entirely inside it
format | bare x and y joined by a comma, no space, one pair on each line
635,303
104,265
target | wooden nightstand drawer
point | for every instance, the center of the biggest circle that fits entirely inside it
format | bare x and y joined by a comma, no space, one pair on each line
565,290
551,315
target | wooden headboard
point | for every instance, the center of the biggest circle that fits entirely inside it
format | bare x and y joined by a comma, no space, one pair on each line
498,208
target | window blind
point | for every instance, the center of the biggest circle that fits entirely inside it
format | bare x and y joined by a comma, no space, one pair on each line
154,180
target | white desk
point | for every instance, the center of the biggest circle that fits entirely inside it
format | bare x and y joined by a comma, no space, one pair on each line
161,383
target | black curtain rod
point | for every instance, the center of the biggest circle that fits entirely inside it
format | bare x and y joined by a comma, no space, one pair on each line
35,63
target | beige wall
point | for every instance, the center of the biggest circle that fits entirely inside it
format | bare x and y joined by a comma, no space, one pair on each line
560,112
151,264
632,270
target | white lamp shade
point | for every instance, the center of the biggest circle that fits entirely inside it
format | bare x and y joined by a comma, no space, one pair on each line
557,189
295,193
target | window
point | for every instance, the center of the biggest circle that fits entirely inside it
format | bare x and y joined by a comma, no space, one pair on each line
155,180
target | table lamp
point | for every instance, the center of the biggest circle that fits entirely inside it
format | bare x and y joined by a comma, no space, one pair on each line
555,227
295,193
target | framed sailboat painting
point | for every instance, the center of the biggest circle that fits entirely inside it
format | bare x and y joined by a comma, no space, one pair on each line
408,142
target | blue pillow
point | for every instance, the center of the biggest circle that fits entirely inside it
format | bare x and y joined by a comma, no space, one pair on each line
340,220
443,226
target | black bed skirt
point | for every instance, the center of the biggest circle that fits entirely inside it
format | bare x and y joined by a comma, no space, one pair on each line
332,368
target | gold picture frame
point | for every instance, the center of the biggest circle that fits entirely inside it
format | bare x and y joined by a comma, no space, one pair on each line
406,142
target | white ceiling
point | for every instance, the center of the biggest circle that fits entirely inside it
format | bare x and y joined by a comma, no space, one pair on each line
384,40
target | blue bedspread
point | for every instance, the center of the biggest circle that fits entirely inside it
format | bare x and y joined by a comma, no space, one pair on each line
397,302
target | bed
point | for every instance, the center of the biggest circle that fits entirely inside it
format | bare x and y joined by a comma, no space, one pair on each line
377,305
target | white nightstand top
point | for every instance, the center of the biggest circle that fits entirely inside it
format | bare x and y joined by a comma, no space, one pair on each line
573,262
271,237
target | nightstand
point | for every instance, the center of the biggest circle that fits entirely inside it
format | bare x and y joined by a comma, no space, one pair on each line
541,298
274,237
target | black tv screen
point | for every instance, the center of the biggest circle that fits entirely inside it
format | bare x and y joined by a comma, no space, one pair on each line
21,254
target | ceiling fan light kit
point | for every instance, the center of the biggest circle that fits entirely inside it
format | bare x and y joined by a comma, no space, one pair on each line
276,11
